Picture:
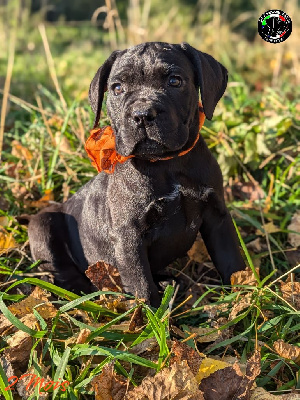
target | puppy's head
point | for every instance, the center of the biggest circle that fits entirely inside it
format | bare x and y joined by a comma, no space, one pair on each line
153,95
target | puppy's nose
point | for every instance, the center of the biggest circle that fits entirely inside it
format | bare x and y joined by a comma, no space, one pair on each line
144,117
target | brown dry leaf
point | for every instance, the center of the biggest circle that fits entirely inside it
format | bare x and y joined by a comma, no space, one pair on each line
183,352
83,335
146,346
108,385
229,383
44,201
268,228
241,303
136,320
26,391
20,344
104,276
174,383
294,238
205,335
45,309
5,324
19,151
287,350
291,293
198,251
260,393
63,143
245,277
7,242
214,310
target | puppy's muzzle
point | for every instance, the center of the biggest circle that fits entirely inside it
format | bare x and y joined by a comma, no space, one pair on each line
144,117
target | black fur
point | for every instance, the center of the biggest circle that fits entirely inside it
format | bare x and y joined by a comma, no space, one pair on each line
146,214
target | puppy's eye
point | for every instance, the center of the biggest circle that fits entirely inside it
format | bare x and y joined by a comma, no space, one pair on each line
118,89
175,81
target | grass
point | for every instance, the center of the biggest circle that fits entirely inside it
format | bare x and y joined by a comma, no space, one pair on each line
255,138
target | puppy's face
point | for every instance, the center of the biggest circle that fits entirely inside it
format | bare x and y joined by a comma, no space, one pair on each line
152,101
153,95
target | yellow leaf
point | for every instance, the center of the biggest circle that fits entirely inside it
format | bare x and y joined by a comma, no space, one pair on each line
209,366
268,228
7,242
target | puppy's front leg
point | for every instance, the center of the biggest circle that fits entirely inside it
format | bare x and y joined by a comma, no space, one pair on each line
134,268
221,241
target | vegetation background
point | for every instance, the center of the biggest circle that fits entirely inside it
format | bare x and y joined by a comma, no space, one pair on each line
50,51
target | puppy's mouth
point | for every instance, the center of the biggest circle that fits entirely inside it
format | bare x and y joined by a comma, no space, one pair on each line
149,149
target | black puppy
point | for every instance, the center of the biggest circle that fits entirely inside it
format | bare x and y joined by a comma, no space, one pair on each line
146,214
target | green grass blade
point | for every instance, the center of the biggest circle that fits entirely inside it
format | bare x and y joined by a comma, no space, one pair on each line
247,253
3,384
16,322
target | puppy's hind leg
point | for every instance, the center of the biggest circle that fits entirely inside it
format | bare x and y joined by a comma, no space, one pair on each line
48,239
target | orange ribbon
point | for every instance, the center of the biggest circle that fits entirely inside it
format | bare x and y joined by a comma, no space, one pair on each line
101,147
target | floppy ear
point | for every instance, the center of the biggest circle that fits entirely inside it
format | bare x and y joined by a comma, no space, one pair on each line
98,85
211,78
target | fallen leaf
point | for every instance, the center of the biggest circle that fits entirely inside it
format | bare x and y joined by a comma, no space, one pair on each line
136,320
108,385
44,307
214,310
83,335
20,344
260,393
19,151
209,366
26,391
229,383
268,228
183,352
146,346
104,276
291,293
245,277
5,324
7,242
174,383
287,350
239,305
198,251
294,238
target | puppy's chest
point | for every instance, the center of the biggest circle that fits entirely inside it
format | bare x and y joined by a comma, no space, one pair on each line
149,209
180,206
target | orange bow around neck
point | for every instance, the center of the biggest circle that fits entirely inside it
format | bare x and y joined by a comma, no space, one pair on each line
101,147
